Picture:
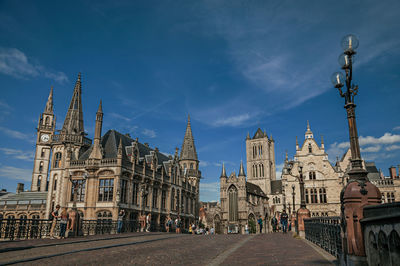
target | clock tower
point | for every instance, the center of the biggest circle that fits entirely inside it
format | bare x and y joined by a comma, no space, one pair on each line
45,132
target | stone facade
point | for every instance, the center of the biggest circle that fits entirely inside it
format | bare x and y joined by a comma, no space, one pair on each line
242,203
115,171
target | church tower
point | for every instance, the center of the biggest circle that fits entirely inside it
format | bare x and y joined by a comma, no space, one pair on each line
45,132
260,155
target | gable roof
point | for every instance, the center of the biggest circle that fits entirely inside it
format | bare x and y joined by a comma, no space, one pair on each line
259,134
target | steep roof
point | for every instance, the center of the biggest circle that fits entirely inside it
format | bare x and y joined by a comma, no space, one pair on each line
276,186
24,196
188,151
254,189
73,123
259,134
110,142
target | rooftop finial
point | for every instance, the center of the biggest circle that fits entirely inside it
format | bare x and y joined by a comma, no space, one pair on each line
286,156
223,174
241,170
308,125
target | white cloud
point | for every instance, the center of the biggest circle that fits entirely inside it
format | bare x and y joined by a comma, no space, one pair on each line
396,128
14,62
279,170
387,138
233,121
17,135
149,133
16,173
393,147
204,163
371,149
209,191
18,154
119,116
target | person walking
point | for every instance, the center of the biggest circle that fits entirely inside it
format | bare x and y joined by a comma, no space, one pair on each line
284,221
260,223
178,225
120,221
54,216
63,222
246,229
148,222
274,223
193,228
168,224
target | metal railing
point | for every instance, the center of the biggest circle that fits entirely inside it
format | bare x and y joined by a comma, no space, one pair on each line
325,232
11,229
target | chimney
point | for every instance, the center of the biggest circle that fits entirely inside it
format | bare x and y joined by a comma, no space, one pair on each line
392,172
20,187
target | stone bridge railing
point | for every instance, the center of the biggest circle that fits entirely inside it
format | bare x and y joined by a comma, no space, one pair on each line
381,229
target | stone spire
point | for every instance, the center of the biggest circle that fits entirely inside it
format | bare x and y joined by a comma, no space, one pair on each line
96,151
188,151
286,156
223,174
309,134
49,104
73,123
120,148
297,144
241,170
322,142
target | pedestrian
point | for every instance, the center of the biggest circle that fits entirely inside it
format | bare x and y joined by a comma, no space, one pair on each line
54,216
260,223
63,222
274,223
193,228
148,222
120,221
284,221
178,225
212,230
246,229
168,224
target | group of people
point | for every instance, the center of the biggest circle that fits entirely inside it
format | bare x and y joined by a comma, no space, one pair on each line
169,223
284,218
63,217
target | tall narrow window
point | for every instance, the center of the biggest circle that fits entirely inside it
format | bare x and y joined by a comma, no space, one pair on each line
135,191
389,199
306,194
163,199
393,199
106,189
41,166
312,175
173,199
124,190
233,204
155,197
178,198
262,168
55,182
324,195
309,148
39,182
57,160
42,152
80,194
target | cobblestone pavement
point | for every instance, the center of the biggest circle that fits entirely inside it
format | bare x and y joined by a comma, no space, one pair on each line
165,249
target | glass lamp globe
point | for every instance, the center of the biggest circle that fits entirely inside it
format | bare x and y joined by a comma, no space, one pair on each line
349,42
344,60
337,78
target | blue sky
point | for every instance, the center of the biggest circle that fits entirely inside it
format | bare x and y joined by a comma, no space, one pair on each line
233,66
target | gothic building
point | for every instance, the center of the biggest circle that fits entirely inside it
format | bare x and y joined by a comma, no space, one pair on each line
242,203
115,171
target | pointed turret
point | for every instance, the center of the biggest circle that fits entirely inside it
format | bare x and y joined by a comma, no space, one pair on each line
120,147
248,135
297,144
73,123
286,157
188,151
241,170
322,142
49,105
223,173
96,151
309,134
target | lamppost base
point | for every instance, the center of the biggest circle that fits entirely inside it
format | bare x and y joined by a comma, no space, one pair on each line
302,213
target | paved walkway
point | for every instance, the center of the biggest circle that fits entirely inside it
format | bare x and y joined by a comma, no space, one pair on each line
164,249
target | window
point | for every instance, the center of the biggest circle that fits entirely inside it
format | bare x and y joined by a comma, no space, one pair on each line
322,195
312,175
41,166
191,166
39,182
55,182
42,153
80,195
106,189
393,199
309,148
47,121
124,190
155,197
262,168
184,166
314,196
163,199
178,201
191,205
135,192
57,160
105,216
306,192
173,199
233,203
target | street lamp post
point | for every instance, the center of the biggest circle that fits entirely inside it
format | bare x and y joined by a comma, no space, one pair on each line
294,207
358,192
74,215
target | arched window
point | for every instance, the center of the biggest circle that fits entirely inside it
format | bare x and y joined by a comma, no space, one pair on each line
47,121
309,148
255,169
184,166
39,182
273,200
41,166
312,175
261,150
57,160
173,199
233,203
306,193
55,182
324,196
178,198
42,152
389,198
262,168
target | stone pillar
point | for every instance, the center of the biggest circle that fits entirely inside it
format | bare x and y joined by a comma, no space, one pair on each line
302,213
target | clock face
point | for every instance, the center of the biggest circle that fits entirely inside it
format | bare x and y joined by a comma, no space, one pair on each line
45,138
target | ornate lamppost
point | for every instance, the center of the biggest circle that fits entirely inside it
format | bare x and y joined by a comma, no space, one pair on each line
294,208
74,214
358,192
